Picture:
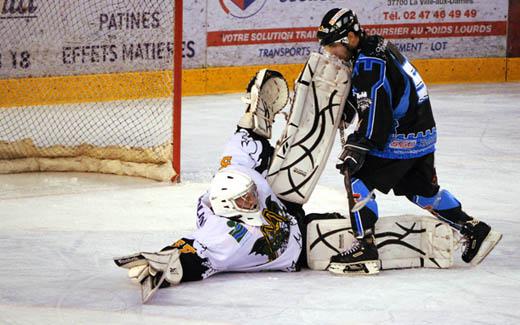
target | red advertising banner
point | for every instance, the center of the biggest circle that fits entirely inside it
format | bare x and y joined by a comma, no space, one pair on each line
391,31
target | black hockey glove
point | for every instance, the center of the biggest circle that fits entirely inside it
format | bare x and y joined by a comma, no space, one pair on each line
352,158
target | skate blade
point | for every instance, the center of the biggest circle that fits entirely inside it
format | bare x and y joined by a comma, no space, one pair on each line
366,268
492,239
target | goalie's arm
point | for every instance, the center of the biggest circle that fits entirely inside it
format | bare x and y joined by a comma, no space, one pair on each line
248,149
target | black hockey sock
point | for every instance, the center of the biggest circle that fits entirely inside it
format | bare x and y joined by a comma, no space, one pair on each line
454,215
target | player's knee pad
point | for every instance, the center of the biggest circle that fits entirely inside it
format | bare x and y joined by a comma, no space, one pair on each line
367,216
443,200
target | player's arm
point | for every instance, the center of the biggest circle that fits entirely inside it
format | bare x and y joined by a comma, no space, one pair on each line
371,96
349,112
371,92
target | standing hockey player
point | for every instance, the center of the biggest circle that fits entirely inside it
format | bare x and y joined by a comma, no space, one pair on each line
241,224
394,143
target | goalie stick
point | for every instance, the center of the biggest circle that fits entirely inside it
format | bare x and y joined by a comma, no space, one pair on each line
130,261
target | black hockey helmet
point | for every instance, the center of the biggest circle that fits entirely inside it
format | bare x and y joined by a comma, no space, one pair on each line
336,25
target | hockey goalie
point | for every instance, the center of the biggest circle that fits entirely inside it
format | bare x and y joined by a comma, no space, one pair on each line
242,226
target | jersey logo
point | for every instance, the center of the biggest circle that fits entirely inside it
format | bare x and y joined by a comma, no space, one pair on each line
225,161
249,145
363,101
238,232
275,234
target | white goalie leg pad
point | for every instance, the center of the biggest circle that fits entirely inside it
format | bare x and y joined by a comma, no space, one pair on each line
304,147
413,241
267,95
403,242
326,238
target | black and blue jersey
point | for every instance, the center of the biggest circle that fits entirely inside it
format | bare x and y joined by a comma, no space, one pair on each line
392,102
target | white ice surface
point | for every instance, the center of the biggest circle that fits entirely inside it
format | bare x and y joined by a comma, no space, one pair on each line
59,232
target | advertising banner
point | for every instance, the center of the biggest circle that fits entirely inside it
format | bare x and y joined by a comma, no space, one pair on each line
55,37
283,31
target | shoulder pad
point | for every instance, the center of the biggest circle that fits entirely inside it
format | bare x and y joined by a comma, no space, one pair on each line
374,46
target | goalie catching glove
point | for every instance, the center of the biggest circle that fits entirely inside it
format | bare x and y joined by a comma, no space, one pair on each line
267,94
150,270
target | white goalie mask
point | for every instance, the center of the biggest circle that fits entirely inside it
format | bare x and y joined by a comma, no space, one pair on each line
233,195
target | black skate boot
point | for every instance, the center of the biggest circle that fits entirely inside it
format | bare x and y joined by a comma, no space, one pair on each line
361,258
479,241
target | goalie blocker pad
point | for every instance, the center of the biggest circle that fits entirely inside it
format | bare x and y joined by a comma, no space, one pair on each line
403,241
304,147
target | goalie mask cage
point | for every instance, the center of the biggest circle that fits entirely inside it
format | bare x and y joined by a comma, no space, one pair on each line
91,86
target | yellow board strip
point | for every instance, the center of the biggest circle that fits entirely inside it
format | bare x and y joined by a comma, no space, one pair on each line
121,86
513,69
84,88
462,70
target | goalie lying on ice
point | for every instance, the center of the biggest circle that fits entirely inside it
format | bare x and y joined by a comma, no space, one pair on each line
241,223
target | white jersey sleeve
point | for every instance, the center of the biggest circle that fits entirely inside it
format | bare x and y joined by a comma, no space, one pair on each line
247,149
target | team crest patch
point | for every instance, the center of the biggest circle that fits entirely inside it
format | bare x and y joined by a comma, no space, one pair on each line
225,161
275,234
238,232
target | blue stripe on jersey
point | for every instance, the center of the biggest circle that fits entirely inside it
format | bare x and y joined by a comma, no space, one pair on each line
368,65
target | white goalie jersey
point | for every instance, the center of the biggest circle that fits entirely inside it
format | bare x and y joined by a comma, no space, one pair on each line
228,245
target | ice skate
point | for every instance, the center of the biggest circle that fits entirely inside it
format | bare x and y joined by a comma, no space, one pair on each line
362,258
479,241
